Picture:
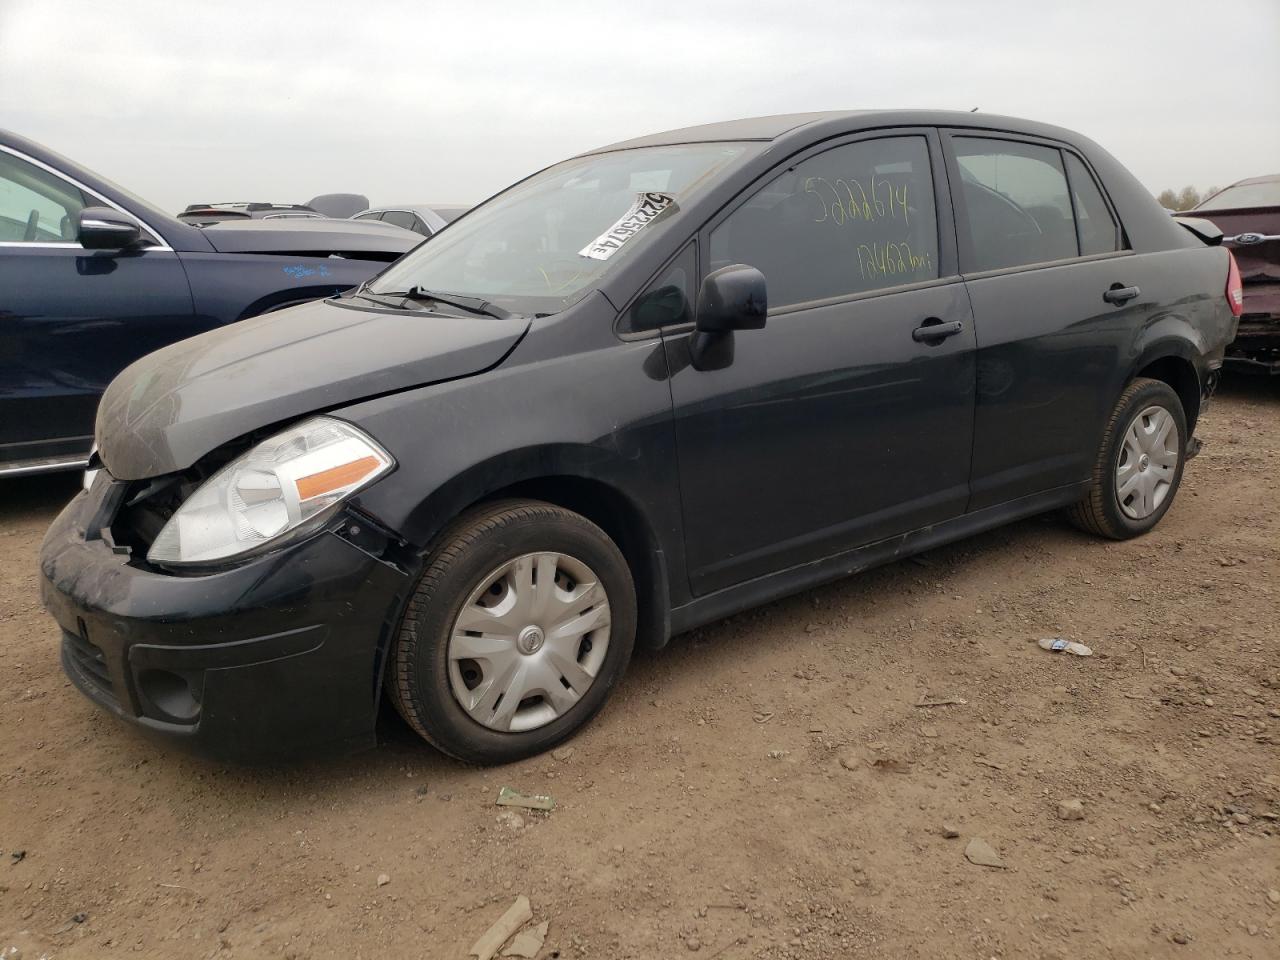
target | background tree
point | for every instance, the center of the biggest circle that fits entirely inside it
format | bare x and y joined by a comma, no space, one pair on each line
1183,199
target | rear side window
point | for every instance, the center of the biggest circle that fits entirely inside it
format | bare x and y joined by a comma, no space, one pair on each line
1094,222
853,219
1016,200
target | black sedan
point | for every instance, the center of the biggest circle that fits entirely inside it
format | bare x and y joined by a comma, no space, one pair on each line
91,278
643,389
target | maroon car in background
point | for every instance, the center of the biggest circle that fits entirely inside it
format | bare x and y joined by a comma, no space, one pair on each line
1248,214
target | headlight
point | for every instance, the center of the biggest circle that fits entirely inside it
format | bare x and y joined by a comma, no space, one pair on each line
282,485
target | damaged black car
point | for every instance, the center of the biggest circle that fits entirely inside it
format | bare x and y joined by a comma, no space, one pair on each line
641,390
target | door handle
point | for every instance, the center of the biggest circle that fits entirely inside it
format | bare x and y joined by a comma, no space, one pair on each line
933,331
1120,294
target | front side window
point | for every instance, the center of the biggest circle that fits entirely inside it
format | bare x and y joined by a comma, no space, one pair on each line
1018,209
35,205
535,247
853,219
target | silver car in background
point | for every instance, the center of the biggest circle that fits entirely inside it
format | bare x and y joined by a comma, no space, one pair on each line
426,219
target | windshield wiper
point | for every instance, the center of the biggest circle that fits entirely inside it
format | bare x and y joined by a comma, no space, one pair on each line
365,294
470,304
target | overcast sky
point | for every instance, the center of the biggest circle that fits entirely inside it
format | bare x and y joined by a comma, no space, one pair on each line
433,102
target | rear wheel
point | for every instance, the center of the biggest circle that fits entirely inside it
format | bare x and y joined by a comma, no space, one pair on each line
521,624
1139,467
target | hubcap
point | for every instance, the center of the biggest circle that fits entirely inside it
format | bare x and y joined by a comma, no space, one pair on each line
529,642
1147,463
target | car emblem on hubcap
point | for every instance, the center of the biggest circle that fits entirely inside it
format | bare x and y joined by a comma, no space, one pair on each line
530,640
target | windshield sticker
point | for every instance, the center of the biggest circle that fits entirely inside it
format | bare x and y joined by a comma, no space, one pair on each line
647,208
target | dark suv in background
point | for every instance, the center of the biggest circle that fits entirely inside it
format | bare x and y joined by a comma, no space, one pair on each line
643,389
92,277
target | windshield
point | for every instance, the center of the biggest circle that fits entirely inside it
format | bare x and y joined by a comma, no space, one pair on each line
543,244
1264,194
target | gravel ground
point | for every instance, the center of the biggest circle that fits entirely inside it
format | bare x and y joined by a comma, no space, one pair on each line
768,787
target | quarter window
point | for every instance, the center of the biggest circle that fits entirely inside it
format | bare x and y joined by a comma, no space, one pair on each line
852,219
668,300
35,205
1094,222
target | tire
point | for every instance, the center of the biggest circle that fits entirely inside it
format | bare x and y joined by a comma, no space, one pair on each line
1102,511
427,684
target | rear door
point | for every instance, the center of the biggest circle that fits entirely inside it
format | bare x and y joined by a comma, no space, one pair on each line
835,425
70,318
1057,300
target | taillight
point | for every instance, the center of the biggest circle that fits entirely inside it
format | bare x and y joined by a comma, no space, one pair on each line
1235,289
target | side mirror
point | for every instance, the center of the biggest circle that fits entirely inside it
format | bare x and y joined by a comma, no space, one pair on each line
732,298
103,228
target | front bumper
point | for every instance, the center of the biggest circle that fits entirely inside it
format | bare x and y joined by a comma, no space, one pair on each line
273,657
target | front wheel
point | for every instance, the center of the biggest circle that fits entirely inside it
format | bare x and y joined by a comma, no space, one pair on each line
523,621
1139,467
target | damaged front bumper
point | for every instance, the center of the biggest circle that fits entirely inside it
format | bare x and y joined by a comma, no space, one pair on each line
272,657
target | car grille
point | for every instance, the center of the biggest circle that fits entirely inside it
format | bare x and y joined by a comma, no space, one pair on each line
88,661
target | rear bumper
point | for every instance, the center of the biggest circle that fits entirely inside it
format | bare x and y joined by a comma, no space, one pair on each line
1256,348
275,657
1255,365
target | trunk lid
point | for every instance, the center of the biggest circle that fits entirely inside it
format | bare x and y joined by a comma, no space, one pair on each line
1244,230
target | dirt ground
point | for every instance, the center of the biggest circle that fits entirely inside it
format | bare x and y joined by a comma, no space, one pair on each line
767,787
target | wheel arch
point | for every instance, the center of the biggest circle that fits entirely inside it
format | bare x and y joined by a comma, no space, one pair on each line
584,480
618,516
1175,368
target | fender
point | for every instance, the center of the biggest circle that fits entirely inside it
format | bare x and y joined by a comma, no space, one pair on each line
589,480
1169,335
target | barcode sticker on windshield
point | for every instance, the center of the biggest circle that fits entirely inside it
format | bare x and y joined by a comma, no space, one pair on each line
647,208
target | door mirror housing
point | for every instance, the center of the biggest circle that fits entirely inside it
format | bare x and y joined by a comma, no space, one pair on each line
103,228
731,298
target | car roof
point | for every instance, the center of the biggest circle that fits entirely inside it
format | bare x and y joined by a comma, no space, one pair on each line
415,207
1265,178
832,121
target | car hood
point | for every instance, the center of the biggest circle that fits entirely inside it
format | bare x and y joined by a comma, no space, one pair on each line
305,236
173,406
